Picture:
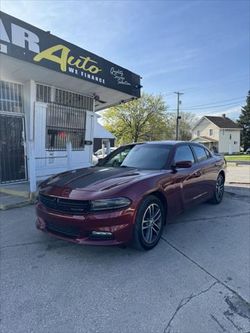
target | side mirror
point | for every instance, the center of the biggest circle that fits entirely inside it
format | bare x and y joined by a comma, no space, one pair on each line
182,165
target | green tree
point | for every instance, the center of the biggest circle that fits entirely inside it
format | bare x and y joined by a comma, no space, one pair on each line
244,122
186,123
146,119
138,120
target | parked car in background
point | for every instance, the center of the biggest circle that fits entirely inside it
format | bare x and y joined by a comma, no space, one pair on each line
248,151
99,154
129,195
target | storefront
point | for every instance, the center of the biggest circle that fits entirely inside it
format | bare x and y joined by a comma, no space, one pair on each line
49,92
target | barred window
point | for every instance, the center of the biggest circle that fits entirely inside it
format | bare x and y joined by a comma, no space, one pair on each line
63,97
74,100
11,97
43,93
64,124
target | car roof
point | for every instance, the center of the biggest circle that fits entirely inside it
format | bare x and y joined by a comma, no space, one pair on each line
164,142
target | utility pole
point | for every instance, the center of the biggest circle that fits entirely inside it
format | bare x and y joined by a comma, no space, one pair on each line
177,116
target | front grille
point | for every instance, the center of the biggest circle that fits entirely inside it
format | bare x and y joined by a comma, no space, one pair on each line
75,207
65,231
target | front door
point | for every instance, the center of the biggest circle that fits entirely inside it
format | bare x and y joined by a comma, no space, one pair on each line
12,157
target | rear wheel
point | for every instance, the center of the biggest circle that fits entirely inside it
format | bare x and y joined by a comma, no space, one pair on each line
219,190
149,223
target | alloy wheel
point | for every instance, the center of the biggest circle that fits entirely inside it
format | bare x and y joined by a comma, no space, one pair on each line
151,223
219,187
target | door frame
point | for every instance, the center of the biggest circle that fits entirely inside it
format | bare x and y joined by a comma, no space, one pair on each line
22,116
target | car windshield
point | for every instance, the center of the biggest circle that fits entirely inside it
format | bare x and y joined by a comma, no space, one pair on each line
141,156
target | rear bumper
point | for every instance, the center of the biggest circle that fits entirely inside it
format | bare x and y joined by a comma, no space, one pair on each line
78,229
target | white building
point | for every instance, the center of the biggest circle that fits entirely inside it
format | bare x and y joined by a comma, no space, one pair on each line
49,92
218,133
102,137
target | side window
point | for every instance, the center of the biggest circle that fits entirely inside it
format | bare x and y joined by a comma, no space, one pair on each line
117,159
208,153
200,153
183,153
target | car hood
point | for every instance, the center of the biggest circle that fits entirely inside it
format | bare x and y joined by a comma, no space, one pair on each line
96,179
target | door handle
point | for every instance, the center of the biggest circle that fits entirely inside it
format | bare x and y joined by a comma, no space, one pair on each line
197,174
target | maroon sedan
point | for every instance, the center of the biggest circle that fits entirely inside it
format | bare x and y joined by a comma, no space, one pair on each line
128,196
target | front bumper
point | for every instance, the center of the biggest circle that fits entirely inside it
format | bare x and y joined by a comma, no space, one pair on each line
118,226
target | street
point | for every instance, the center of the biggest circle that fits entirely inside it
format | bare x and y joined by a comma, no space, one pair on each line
195,280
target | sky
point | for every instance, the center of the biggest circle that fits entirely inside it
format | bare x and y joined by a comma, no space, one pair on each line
199,48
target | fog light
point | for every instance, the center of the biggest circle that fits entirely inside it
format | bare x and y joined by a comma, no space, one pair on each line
101,235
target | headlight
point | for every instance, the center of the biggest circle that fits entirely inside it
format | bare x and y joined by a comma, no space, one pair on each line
108,204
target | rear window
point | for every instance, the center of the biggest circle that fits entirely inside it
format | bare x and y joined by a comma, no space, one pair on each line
183,153
200,153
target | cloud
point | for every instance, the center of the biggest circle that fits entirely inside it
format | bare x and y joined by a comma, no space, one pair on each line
232,113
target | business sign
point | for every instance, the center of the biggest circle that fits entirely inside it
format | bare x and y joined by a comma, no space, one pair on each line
26,42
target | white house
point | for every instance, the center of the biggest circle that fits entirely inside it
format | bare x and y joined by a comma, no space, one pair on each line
218,133
50,90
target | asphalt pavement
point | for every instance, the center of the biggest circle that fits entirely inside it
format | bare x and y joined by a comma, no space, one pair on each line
195,281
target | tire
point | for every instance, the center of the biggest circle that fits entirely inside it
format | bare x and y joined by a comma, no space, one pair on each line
219,190
149,223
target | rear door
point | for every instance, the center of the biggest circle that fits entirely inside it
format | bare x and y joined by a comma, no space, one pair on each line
209,171
190,179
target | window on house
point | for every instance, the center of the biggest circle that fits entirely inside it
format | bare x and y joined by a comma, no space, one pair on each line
64,124
230,136
210,132
11,97
198,133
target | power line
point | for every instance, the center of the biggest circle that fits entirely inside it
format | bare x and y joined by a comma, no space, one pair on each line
217,102
208,107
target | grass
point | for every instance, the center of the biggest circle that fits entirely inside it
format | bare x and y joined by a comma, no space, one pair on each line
237,157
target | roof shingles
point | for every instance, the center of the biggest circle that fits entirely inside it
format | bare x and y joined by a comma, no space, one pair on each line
223,122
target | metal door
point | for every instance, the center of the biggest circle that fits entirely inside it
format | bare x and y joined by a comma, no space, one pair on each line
12,157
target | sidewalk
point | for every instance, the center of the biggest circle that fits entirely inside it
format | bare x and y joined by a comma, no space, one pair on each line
15,195
238,175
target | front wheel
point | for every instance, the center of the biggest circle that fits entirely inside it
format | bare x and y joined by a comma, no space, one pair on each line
149,223
219,190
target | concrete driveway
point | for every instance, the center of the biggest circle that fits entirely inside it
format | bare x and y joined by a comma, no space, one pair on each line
195,281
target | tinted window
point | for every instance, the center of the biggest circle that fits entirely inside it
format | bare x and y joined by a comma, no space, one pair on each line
147,156
208,153
183,153
116,160
200,153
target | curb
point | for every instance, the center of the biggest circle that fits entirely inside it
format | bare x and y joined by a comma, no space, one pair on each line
16,205
245,191
239,162
16,193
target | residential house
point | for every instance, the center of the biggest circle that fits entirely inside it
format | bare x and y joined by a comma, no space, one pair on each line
220,134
